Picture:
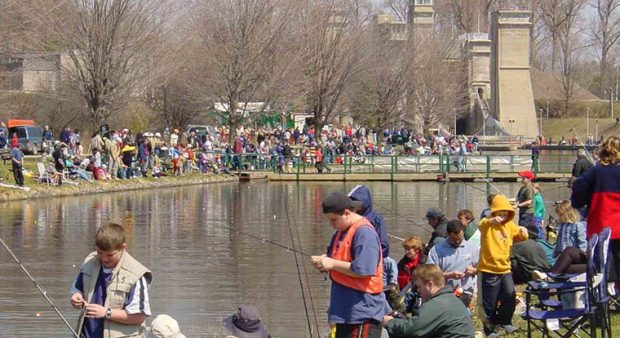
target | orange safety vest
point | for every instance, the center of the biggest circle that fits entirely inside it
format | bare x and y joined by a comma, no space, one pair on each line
342,252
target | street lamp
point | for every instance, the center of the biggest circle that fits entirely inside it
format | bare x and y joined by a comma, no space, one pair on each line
511,123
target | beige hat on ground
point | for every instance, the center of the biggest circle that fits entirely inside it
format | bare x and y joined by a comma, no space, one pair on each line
164,326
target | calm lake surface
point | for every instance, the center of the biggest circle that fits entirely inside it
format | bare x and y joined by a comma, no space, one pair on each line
203,266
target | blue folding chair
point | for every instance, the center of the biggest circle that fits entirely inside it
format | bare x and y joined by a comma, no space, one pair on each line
602,298
564,322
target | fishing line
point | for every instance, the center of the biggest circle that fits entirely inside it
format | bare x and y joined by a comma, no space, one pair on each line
573,129
43,292
265,240
489,182
475,187
403,217
301,285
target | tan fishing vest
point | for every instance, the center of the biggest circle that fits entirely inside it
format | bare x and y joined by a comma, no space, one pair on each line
126,274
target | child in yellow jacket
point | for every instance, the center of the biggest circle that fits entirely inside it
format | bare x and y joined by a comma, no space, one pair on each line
497,233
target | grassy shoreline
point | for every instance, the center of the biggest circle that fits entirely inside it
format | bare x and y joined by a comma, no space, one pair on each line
42,190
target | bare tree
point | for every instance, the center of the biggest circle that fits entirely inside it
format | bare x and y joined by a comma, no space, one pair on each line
567,36
400,8
23,25
379,94
605,34
468,15
438,84
554,15
332,44
172,103
244,48
109,44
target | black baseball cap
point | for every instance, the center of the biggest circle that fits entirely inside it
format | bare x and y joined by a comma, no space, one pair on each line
338,202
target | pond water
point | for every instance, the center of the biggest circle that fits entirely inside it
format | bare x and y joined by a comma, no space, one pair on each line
203,244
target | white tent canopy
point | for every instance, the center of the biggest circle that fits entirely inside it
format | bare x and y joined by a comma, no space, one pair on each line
243,107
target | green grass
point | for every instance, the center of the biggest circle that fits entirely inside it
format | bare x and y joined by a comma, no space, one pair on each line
558,127
30,164
522,324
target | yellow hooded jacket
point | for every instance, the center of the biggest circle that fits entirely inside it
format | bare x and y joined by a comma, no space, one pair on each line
496,239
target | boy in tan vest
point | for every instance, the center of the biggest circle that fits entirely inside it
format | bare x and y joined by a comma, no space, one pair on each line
111,289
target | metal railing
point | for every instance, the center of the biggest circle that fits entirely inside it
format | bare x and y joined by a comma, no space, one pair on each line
484,165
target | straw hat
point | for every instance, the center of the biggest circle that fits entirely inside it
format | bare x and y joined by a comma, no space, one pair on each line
164,326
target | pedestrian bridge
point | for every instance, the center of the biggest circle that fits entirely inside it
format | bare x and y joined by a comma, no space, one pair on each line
408,168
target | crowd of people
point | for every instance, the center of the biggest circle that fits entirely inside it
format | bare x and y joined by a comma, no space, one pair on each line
123,154
429,292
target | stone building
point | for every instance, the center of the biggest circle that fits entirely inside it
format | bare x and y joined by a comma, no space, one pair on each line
33,71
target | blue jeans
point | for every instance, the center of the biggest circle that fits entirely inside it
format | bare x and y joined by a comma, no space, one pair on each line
538,222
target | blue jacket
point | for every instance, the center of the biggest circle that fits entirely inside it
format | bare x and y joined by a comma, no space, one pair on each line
599,189
362,193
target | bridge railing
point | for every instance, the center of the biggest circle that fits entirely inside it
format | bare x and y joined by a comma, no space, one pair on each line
485,165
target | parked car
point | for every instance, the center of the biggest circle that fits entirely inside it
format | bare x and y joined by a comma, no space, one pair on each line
205,129
30,138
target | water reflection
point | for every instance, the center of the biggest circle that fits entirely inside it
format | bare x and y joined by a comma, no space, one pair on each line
203,269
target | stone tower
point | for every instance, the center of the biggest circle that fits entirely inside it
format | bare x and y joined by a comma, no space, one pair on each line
421,19
477,54
512,99
421,12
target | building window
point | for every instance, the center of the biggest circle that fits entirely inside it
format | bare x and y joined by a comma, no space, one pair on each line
423,2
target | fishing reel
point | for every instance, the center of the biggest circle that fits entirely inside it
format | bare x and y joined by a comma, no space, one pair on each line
552,225
551,228
413,301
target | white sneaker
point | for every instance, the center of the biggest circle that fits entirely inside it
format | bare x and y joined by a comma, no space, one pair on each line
539,275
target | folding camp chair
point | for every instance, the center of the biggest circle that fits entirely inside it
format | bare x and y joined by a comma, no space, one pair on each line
45,176
564,322
602,297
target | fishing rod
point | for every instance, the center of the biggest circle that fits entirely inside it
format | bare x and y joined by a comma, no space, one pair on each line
43,292
265,240
488,182
404,217
574,129
301,286
475,187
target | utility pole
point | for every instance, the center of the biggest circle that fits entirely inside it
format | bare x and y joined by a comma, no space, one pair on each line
587,122
541,118
454,121
596,137
611,103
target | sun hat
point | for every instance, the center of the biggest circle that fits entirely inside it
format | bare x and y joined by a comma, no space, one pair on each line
246,323
164,326
337,202
527,174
